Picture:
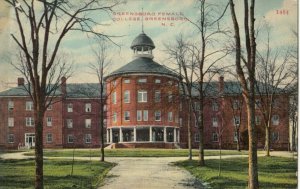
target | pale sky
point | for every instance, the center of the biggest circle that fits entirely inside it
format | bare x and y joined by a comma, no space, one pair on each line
78,46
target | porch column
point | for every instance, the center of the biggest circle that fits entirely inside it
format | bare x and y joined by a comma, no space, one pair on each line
175,135
107,136
165,134
150,133
121,134
134,134
178,136
111,135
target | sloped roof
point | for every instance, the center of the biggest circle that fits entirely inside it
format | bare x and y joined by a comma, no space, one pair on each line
231,88
78,90
143,65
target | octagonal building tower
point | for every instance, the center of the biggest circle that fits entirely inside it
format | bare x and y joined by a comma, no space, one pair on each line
142,101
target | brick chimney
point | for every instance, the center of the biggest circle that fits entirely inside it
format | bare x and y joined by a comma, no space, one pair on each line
63,86
221,84
21,81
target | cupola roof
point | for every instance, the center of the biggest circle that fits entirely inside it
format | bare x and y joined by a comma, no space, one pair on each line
142,40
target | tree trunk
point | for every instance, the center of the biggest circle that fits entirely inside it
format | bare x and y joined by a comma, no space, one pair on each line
252,169
201,130
267,141
189,130
238,146
39,177
294,131
102,125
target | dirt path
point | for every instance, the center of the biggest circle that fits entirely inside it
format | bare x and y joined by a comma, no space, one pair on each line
148,173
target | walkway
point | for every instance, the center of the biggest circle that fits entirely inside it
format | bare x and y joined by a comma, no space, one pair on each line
149,173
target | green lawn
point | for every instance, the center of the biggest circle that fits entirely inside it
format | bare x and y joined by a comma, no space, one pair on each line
274,172
133,152
20,173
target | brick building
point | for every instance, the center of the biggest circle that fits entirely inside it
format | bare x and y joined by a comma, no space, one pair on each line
144,108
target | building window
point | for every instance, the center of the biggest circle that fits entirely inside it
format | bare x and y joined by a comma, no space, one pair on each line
88,107
275,103
157,115
142,96
10,105
215,122
157,96
49,121
139,115
104,122
29,105
11,138
236,104
69,123
215,106
88,138
11,121
127,96
49,107
215,137
157,81
142,80
127,115
235,138
70,138
236,120
196,124
29,121
145,115
170,96
114,98
197,137
180,106
257,120
49,138
180,122
197,106
170,116
70,107
257,104
115,117
275,120
114,83
126,81
88,123
275,136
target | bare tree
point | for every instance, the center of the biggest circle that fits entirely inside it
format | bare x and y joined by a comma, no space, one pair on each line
39,39
273,78
186,68
101,67
206,56
248,87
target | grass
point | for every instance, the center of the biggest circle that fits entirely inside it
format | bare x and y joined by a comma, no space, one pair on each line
20,174
274,172
133,152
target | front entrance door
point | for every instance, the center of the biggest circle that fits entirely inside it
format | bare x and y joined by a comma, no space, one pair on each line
29,139
115,136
